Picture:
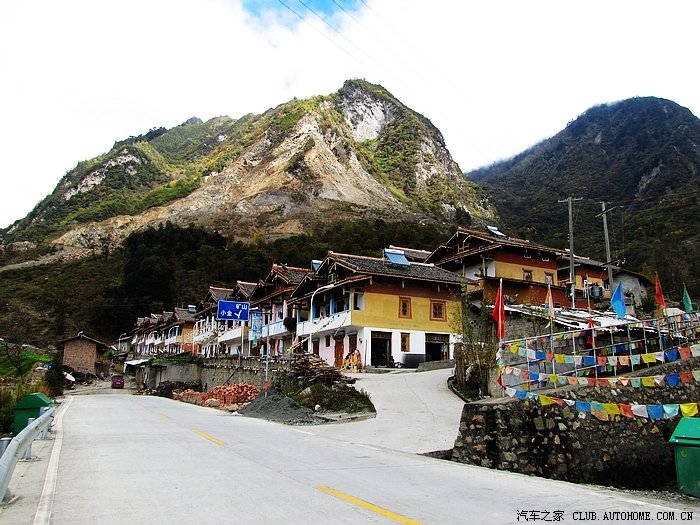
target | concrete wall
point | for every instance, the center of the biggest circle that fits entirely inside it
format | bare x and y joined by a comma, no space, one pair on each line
559,442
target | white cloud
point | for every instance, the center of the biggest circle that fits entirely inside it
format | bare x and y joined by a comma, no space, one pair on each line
494,77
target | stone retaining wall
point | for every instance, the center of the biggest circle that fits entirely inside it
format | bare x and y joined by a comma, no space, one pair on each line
559,442
249,370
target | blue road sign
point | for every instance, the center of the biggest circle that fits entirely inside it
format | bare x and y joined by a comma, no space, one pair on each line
232,311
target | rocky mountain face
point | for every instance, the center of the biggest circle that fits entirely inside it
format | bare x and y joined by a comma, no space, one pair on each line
358,153
642,157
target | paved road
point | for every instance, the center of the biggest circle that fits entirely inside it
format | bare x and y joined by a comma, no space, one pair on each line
136,459
416,412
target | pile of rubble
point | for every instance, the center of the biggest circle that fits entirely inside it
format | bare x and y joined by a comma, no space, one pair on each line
230,397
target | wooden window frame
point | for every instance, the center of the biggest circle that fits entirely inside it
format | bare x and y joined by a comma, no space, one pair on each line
402,301
405,338
443,310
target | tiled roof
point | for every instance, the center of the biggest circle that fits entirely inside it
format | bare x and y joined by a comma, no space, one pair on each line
381,266
183,314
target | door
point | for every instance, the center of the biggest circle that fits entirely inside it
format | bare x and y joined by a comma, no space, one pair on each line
339,349
381,348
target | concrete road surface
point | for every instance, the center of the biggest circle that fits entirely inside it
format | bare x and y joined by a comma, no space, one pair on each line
416,412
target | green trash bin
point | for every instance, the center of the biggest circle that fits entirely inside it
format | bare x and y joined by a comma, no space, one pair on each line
30,406
686,446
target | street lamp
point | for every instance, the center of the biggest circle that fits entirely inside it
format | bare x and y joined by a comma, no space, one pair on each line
311,312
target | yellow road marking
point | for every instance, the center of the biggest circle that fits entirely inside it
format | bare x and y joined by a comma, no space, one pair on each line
368,506
209,438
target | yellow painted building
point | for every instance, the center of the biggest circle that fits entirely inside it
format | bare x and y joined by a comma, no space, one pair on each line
386,311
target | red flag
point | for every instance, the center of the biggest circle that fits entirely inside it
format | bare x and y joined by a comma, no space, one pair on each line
499,312
590,341
659,294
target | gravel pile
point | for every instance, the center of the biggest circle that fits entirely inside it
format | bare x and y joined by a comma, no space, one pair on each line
280,409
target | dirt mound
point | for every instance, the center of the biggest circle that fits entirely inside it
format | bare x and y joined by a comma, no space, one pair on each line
281,409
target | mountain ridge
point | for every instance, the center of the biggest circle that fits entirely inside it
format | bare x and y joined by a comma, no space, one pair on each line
356,152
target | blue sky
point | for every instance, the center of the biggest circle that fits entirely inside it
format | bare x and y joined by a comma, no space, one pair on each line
325,7
495,77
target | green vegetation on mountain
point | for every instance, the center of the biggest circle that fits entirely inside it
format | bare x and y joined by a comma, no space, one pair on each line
159,268
642,157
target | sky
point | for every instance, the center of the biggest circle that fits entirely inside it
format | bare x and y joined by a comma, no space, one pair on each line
494,76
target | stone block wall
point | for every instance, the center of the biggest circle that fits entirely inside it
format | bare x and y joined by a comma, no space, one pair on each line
249,370
560,442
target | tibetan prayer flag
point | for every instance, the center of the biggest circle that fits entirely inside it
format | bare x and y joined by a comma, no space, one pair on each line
499,312
588,360
640,410
659,380
670,411
684,352
687,303
686,376
696,375
550,303
659,356
618,303
655,411
648,381
611,408
636,382
531,354
583,406
540,356
522,395
603,382
648,358
612,360
689,409
559,358
672,354
635,359
602,360
695,350
673,379
624,360
626,410
546,400
659,295
572,380
510,392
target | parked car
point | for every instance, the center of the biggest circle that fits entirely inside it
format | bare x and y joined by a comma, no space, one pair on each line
117,381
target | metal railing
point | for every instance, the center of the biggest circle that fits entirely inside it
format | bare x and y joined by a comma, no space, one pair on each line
18,448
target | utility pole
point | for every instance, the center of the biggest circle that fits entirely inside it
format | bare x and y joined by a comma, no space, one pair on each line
572,273
608,262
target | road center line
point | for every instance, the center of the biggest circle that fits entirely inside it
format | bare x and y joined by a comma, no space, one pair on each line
369,506
209,438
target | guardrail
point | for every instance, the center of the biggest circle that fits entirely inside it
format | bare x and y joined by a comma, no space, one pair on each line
20,444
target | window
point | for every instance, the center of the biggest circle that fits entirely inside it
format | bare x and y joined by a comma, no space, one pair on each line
359,299
548,278
405,342
328,340
437,311
527,254
405,307
527,275
545,256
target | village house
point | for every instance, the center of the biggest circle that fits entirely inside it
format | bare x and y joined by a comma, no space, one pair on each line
270,298
390,310
233,335
86,356
207,328
527,270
